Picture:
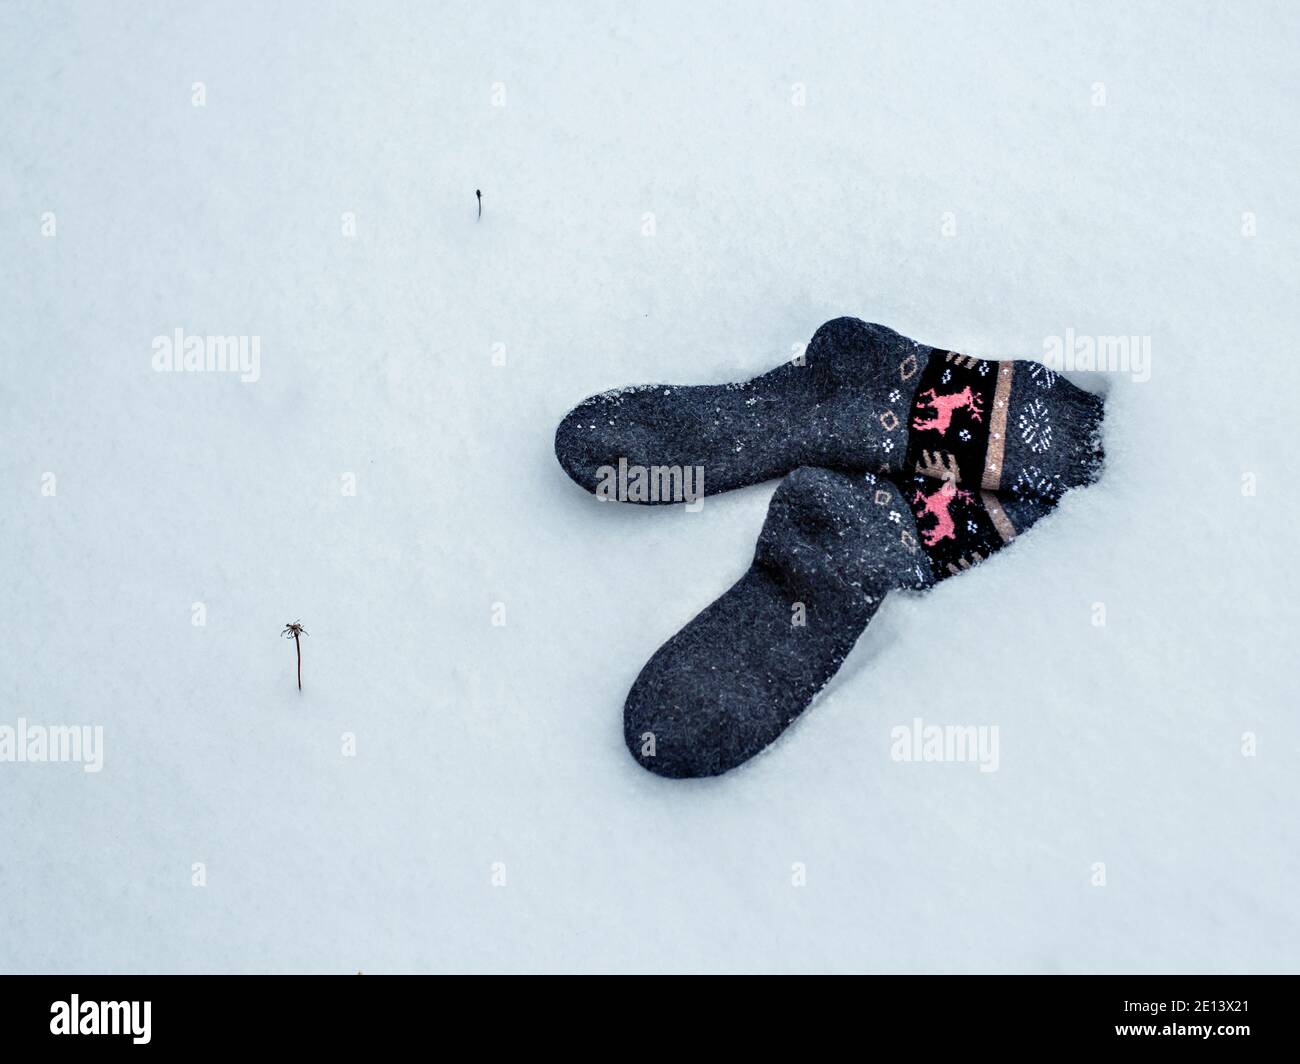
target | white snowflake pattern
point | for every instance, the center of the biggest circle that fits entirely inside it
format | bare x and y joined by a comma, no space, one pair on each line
972,527
895,396
1035,426
893,516
983,369
1033,481
965,435
947,376
1041,375
888,446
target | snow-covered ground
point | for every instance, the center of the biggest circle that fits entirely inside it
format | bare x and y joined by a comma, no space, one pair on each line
981,177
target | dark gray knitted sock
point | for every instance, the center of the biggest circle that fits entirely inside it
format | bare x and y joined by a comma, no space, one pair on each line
867,399
832,546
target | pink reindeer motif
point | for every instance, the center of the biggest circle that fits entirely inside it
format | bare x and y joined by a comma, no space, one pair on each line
937,506
944,405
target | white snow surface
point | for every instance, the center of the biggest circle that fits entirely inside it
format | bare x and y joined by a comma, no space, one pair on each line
487,751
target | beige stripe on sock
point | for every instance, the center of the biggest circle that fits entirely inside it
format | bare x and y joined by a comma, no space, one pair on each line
999,516
992,479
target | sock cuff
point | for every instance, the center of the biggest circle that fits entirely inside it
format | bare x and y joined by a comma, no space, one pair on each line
1003,427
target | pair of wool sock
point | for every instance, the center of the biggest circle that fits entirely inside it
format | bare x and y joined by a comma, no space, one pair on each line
902,464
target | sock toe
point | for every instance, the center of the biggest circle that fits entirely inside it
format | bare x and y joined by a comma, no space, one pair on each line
730,682
580,445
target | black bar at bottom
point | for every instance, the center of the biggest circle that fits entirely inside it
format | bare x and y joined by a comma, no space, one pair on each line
337,1013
